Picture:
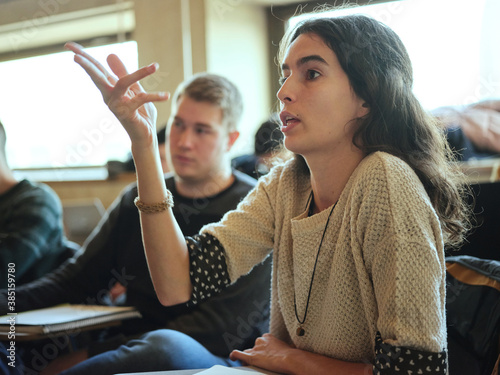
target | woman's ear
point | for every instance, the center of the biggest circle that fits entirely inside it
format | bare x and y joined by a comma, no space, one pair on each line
365,109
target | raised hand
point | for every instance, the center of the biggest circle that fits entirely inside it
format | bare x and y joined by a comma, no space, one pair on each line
123,94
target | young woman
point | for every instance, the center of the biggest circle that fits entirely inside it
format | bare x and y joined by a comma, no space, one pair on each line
357,221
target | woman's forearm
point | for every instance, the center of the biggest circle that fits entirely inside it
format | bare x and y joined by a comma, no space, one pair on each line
166,251
303,362
272,354
164,243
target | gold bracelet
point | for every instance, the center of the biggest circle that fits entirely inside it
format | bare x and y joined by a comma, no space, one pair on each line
154,208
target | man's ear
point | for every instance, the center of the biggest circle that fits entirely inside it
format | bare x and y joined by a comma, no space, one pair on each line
232,137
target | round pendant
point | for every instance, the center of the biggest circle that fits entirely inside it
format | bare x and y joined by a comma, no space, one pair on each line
300,331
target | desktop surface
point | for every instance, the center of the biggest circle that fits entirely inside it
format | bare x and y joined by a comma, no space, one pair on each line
249,369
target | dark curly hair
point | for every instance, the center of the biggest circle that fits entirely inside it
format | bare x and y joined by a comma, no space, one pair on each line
380,73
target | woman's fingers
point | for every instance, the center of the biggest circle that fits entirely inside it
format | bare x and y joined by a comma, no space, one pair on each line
143,98
122,91
107,82
99,79
78,50
132,80
125,109
99,75
237,355
117,65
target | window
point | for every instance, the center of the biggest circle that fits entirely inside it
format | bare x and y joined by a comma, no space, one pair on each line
53,114
453,45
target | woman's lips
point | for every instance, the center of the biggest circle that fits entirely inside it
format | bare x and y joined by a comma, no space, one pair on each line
288,121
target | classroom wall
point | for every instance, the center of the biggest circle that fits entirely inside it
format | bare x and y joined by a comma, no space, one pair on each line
237,47
171,33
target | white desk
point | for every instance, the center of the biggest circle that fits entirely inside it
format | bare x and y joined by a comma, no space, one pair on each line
249,369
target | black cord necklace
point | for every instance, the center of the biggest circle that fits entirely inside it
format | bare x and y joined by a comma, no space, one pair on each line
300,330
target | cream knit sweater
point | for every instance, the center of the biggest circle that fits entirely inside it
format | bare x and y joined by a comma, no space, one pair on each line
381,265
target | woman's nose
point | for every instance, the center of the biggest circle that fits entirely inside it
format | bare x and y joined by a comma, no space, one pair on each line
284,94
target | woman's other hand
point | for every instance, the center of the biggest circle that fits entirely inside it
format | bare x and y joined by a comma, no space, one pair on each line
268,353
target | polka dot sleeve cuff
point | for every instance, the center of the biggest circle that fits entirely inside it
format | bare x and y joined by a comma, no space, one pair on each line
400,360
208,269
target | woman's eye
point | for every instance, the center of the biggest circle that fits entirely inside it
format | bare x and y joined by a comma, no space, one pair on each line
312,74
282,80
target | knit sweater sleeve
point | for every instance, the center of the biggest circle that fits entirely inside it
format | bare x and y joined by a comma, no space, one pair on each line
400,241
223,252
247,233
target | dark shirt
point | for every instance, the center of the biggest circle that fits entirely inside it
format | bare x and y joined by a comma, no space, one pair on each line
31,232
114,252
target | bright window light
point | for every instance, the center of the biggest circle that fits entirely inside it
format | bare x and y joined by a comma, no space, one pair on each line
53,114
453,45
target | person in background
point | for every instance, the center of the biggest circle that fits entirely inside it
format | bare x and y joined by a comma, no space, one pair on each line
473,130
268,143
201,132
32,239
357,220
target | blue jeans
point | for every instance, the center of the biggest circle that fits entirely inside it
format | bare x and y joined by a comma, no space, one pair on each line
155,351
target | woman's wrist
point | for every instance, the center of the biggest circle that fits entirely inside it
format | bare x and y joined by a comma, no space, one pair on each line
301,362
139,148
150,177
292,360
146,157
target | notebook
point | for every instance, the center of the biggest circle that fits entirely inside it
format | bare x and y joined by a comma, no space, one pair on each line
63,319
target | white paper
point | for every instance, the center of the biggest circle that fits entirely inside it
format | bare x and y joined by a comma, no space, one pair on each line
222,370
